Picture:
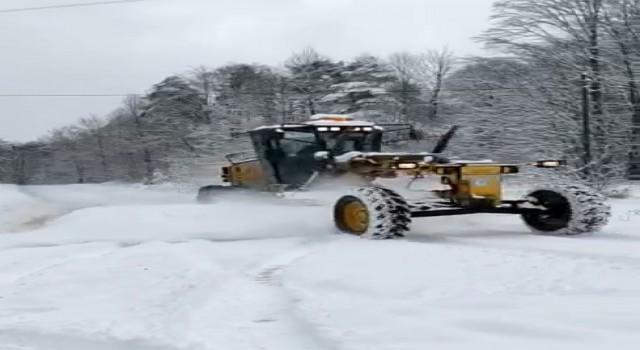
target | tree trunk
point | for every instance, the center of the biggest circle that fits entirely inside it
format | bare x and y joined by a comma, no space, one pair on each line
433,102
311,106
103,156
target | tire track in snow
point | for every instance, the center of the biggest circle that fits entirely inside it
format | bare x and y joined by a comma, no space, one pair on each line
24,340
270,274
40,265
242,308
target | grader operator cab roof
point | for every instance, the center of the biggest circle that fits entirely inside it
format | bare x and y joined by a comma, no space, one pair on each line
325,123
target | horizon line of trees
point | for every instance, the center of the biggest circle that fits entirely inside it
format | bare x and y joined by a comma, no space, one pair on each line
562,62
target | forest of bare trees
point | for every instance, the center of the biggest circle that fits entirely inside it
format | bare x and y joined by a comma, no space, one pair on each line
560,83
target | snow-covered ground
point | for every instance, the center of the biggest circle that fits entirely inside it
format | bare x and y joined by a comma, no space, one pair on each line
126,267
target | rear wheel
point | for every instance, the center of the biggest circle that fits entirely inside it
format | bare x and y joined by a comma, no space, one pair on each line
372,212
567,210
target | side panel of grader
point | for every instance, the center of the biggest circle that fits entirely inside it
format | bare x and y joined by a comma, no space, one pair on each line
245,174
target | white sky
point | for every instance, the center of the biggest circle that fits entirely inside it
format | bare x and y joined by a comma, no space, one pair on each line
126,48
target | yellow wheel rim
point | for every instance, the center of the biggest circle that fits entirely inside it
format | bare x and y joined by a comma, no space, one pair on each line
356,217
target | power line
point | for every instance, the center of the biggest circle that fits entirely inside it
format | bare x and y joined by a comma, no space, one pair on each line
273,93
74,95
51,7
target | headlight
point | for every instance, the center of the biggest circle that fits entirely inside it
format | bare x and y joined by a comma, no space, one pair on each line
407,166
549,163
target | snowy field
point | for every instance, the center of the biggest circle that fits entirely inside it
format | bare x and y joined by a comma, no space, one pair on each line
106,267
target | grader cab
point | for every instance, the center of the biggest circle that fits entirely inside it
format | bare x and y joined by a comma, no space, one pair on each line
285,155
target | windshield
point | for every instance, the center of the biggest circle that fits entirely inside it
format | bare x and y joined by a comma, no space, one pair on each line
294,142
297,142
340,143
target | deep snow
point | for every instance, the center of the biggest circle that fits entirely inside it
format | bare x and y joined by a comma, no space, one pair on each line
129,267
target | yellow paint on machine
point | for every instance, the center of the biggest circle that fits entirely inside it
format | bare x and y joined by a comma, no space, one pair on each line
480,170
248,173
484,186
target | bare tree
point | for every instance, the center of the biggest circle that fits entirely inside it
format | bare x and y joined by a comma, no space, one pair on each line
93,128
6,154
436,65
133,108
407,89
424,74
305,57
622,24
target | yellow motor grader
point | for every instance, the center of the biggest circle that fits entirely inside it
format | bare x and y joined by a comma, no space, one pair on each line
294,156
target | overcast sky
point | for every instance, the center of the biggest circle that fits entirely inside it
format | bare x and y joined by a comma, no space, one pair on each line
125,48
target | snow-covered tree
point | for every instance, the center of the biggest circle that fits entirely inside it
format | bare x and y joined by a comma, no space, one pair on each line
361,89
311,76
168,114
561,40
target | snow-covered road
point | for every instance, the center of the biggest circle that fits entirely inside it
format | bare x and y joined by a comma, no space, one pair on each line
125,267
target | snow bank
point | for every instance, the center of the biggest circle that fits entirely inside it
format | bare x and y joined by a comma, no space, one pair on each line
177,222
93,195
26,208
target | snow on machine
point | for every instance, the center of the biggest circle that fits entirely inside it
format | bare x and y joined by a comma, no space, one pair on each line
295,156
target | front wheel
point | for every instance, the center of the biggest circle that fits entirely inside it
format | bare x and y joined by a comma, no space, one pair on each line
566,210
373,213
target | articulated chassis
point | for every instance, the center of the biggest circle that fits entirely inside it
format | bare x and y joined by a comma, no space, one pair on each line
517,207
465,196
381,213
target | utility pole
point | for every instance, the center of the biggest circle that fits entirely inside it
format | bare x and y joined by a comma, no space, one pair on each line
586,125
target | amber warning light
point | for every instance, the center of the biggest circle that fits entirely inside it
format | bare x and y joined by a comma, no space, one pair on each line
330,117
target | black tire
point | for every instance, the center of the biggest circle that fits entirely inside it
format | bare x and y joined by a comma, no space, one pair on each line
570,209
388,214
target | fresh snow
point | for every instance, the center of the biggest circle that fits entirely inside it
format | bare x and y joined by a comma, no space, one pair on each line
132,267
